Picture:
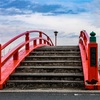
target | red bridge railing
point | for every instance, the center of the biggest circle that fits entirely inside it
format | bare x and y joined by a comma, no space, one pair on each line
12,59
89,55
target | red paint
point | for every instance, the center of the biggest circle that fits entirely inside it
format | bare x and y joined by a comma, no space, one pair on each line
44,42
0,62
12,59
40,35
84,62
35,43
93,70
15,56
90,73
27,39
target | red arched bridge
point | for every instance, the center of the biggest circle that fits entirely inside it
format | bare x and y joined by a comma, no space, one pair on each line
88,51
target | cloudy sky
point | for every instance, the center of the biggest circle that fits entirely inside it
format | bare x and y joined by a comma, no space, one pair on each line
68,17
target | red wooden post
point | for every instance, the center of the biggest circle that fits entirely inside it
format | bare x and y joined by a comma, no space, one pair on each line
44,41
15,56
40,35
27,39
35,43
92,60
48,40
0,62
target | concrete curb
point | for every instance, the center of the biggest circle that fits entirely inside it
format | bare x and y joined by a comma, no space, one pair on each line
51,91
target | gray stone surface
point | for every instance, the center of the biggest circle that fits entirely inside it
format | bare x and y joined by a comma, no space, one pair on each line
49,95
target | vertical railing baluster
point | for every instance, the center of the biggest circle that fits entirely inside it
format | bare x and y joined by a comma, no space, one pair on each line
44,41
35,43
27,39
40,35
48,40
15,56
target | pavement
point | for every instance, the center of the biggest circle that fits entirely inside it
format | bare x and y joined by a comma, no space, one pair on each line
49,94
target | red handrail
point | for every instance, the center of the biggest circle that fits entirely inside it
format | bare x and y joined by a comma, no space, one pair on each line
84,40
22,34
13,51
83,45
16,56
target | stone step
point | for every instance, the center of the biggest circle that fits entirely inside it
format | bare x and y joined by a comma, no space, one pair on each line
45,85
52,63
59,51
44,57
49,74
58,48
68,78
43,81
49,69
55,53
31,70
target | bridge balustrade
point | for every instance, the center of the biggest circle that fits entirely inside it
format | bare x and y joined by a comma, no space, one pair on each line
12,59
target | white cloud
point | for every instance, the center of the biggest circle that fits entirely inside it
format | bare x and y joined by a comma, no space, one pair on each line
13,11
95,13
64,24
11,26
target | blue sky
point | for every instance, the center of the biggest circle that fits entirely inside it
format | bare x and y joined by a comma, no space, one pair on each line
68,17
12,7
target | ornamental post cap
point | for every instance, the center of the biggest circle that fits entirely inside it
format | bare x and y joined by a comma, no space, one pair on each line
92,37
92,33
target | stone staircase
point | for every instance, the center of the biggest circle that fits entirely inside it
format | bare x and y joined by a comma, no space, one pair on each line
49,67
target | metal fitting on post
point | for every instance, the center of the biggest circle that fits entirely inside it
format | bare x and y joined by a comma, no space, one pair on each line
92,37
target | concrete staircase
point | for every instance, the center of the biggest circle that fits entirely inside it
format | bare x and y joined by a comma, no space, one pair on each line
49,67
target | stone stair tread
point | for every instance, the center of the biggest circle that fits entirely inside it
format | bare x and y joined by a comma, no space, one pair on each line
51,67
48,74
56,52
58,61
46,56
59,47
44,81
